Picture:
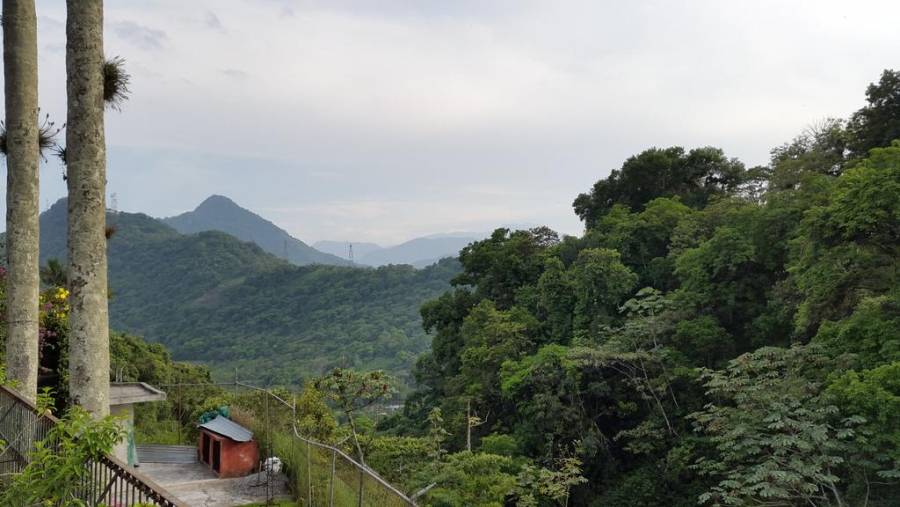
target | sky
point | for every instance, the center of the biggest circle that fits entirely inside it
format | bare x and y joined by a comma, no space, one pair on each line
386,120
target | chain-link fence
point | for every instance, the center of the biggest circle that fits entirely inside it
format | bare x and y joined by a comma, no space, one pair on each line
324,475
320,474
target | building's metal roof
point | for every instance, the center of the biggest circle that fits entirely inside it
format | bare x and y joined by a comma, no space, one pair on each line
180,454
125,393
228,428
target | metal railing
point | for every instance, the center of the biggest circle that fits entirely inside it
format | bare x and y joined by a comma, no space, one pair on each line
106,481
323,475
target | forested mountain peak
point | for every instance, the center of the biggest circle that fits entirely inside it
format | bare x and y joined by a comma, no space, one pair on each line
220,213
212,298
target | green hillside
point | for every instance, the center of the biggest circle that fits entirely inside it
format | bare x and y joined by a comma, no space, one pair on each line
212,298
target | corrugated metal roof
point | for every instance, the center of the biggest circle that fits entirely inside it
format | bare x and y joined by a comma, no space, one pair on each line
181,454
228,428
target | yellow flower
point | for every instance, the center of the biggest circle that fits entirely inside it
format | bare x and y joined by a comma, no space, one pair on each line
61,294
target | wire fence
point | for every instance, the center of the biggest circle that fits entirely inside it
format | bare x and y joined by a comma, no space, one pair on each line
104,482
320,474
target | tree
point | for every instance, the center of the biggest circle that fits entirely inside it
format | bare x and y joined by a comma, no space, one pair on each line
314,419
600,282
22,191
848,246
695,177
878,123
354,391
86,168
555,485
779,441
467,478
821,149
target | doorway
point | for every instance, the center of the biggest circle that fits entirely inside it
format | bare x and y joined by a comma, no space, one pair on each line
204,449
217,455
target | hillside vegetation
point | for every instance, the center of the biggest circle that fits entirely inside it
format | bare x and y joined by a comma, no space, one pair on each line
720,334
213,299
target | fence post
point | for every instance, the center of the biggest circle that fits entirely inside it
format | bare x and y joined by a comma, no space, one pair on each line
360,488
331,484
308,473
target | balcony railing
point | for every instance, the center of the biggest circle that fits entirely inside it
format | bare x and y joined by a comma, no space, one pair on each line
107,482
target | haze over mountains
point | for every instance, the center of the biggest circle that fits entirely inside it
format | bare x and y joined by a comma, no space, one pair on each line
418,252
219,213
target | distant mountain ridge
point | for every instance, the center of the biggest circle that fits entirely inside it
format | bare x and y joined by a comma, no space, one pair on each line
418,252
212,298
219,213
342,248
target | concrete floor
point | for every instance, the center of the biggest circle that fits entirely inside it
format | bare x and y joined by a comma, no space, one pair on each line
197,486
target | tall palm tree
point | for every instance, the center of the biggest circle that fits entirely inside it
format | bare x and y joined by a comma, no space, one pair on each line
86,167
22,149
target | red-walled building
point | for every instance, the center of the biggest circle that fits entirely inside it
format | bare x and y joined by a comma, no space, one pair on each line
228,448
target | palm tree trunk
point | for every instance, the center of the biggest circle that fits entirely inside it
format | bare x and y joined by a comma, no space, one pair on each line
22,198
86,165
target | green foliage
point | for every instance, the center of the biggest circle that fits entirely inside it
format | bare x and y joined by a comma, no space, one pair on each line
703,340
498,266
499,444
778,440
174,420
878,123
436,434
211,298
314,418
656,349
875,396
467,478
849,245
353,391
398,459
57,465
601,282
696,177
871,333
534,484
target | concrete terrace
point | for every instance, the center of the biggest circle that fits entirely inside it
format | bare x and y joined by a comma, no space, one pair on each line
196,485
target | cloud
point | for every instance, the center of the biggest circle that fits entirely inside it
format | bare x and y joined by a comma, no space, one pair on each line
140,36
357,119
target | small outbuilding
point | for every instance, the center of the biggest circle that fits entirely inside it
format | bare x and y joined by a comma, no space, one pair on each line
228,448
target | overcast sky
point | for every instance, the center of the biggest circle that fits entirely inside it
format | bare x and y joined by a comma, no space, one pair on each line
384,120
